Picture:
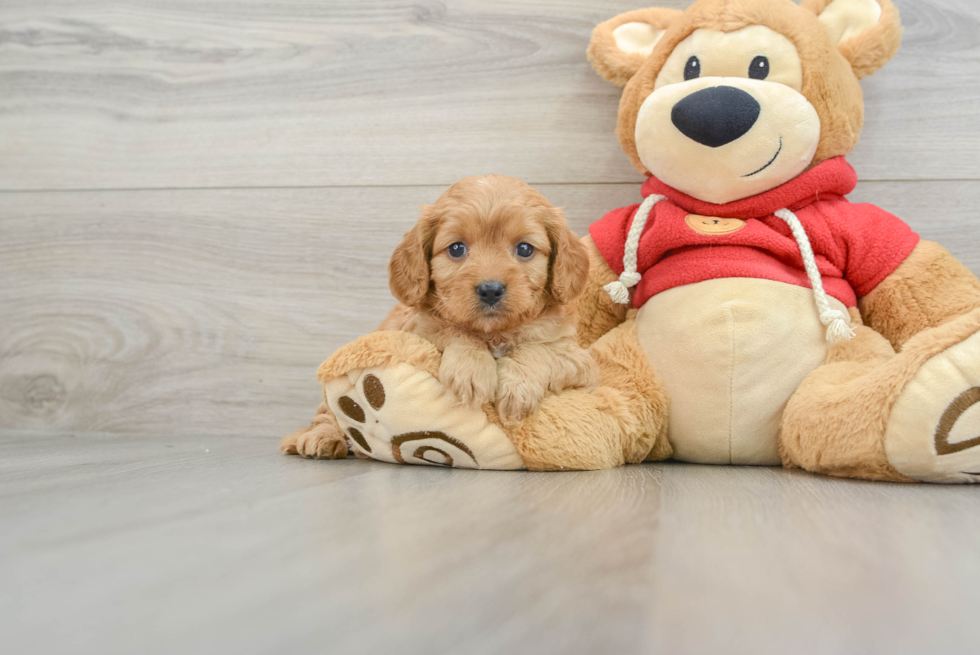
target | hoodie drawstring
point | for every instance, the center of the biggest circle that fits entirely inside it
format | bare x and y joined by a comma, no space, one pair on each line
836,321
619,290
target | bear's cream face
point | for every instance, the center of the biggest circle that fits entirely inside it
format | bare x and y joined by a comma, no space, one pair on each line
727,119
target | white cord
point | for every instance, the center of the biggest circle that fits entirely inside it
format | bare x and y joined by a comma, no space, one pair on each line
619,290
837,322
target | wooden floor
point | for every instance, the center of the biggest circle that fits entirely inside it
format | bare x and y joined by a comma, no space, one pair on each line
197,203
124,544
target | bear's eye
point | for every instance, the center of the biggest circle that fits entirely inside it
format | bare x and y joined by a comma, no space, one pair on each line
759,69
525,250
693,69
457,250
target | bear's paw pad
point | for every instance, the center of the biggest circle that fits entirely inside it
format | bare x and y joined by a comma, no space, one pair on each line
401,414
933,432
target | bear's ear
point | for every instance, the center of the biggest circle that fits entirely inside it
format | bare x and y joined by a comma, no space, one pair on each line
867,32
621,44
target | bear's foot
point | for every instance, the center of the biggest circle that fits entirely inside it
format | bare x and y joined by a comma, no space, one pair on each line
404,415
933,431
384,394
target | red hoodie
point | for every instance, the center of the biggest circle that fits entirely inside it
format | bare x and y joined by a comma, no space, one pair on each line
856,245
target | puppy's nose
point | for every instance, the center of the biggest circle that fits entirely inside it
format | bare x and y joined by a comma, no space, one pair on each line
716,116
491,291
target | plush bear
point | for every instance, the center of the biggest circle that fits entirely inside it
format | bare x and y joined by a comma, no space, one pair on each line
745,312
787,325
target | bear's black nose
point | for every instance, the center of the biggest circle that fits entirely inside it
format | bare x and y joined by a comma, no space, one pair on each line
716,116
490,292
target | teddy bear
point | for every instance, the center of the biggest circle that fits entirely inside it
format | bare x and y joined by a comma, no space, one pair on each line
744,312
787,325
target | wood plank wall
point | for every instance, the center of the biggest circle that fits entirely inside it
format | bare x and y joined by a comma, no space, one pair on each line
198,198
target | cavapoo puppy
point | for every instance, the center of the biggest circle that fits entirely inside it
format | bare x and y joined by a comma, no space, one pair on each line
487,275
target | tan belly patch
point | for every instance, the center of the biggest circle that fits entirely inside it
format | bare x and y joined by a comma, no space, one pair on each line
713,225
731,352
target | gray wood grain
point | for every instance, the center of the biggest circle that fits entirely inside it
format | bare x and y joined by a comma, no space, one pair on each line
218,186
208,311
117,544
189,94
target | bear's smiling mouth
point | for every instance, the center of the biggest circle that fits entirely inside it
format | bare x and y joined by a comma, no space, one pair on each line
771,161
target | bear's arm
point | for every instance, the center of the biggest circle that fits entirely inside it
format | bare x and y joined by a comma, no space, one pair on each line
597,313
929,287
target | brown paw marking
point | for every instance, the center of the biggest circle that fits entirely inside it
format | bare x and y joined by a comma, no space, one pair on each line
352,409
396,446
422,450
956,409
374,391
356,435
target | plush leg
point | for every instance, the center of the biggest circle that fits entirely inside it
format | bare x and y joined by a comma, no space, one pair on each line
389,400
870,413
597,313
394,408
623,421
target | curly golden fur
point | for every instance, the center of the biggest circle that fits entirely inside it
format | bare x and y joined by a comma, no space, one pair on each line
511,352
514,351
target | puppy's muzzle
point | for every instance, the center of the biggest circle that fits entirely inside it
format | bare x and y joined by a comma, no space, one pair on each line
491,292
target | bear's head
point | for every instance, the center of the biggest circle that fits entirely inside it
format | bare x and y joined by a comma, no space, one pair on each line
732,98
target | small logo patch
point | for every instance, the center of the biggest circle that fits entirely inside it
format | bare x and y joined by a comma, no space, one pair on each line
712,225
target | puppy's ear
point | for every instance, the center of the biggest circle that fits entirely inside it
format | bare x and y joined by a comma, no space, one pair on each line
867,32
569,260
408,270
621,44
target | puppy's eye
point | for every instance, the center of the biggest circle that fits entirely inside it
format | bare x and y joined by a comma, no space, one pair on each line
525,250
693,69
457,250
759,69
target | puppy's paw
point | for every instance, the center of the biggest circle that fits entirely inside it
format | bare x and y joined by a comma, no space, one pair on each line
470,374
324,441
584,372
518,392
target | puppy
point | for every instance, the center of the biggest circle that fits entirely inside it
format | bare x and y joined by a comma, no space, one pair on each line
487,275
